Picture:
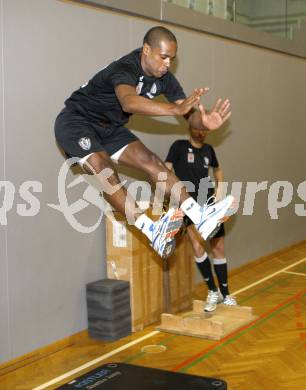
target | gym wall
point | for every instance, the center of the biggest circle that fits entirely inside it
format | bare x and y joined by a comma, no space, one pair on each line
48,49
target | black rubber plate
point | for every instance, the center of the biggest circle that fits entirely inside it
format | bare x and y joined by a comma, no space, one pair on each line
120,376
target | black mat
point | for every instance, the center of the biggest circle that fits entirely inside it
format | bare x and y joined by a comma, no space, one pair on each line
120,376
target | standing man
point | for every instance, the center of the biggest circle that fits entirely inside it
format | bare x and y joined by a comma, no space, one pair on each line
91,128
191,160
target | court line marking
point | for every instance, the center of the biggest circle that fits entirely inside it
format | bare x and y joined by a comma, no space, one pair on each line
294,273
268,277
151,334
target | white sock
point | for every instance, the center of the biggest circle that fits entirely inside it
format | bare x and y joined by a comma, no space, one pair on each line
201,259
219,261
145,224
192,209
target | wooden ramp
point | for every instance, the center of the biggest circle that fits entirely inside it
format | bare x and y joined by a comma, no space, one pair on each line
214,325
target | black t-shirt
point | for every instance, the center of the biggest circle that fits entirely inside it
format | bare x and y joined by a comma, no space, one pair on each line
97,100
192,164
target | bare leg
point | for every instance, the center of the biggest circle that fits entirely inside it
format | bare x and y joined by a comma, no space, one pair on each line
136,155
160,233
196,240
100,164
217,247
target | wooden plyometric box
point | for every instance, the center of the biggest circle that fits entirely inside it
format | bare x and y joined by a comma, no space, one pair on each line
213,325
153,282
181,276
129,257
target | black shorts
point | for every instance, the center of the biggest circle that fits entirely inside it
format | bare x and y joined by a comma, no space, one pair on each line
220,232
78,136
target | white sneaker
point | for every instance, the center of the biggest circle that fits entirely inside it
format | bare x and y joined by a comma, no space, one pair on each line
213,298
213,215
164,230
229,300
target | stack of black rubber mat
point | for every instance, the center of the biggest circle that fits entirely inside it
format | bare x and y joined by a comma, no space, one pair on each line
108,309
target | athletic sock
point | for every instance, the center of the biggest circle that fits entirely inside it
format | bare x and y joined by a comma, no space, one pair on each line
204,266
192,209
220,267
145,224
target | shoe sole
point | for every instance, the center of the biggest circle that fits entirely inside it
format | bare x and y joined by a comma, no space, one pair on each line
169,230
169,249
230,207
176,222
221,220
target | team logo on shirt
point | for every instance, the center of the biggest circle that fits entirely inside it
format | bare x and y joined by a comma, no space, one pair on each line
85,143
206,162
152,92
153,89
139,85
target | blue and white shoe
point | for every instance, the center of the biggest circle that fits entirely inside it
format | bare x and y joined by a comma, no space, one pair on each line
164,230
213,215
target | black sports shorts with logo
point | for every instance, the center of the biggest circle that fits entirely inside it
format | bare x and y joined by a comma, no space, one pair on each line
78,136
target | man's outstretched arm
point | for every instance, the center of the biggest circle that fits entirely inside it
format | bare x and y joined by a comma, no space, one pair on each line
135,104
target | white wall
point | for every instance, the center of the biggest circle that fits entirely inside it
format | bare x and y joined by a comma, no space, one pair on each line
47,54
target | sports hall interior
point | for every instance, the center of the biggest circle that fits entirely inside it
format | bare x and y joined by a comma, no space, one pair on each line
53,243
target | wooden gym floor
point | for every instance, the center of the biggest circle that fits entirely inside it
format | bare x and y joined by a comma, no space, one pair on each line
268,353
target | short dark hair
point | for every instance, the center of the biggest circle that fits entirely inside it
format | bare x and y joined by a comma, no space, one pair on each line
156,34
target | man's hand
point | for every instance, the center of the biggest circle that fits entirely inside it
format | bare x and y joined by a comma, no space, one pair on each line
217,116
184,106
